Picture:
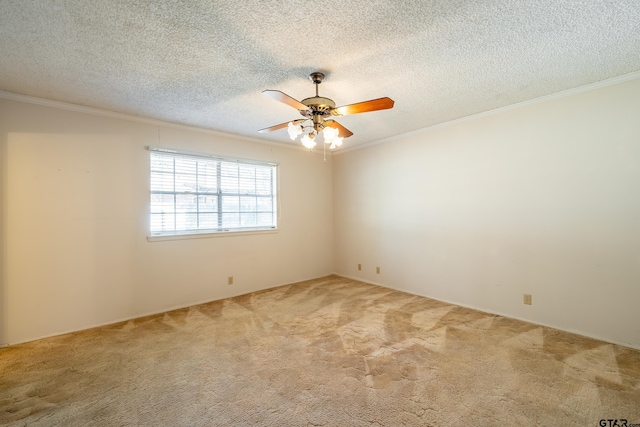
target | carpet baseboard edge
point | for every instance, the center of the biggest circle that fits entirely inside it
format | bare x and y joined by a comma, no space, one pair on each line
581,333
151,313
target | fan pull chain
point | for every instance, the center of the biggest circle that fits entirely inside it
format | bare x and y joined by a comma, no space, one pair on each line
324,150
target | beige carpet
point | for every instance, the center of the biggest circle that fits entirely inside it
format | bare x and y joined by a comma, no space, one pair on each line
327,352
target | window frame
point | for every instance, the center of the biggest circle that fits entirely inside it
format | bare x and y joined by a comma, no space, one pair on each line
213,231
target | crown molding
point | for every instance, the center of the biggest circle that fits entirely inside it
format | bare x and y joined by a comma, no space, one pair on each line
139,119
558,95
157,122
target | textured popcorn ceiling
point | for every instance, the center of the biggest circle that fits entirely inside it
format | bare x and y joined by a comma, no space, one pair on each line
205,63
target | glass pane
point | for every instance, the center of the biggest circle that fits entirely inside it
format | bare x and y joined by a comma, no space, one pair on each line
247,186
247,172
248,204
162,203
207,184
161,163
263,173
185,165
229,169
230,204
185,183
161,181
263,187
265,220
186,221
186,203
230,220
207,167
248,220
208,220
162,222
264,204
208,203
229,184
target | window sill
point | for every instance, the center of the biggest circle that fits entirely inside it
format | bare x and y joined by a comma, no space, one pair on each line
186,236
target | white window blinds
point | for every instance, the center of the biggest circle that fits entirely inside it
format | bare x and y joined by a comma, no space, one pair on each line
193,193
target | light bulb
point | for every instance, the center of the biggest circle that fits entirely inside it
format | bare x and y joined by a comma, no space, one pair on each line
308,141
329,134
294,131
337,141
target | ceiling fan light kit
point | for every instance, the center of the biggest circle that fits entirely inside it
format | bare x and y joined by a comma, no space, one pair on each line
316,111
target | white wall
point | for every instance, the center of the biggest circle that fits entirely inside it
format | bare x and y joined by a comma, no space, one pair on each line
543,199
75,203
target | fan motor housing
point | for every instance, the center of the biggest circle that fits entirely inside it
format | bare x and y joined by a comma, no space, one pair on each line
318,106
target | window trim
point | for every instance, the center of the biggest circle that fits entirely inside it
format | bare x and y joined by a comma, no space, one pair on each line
225,232
207,235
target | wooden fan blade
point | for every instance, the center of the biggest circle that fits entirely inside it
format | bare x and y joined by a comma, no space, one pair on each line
281,126
342,131
284,98
364,107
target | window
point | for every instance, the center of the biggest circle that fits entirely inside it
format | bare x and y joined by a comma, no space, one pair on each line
197,193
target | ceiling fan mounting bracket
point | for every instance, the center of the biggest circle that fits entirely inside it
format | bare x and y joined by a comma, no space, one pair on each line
316,77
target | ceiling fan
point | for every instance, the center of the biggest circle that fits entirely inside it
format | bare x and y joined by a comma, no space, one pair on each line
316,112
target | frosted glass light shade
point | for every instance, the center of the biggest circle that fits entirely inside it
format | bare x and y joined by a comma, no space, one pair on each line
308,142
329,134
293,130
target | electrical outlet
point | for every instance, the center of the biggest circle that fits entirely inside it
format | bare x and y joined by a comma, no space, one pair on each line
377,270
527,299
230,280
359,267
